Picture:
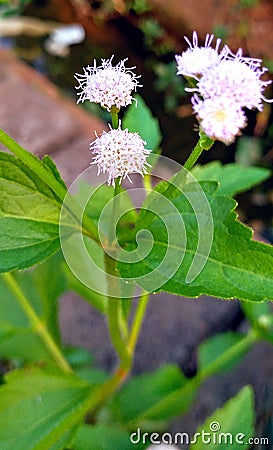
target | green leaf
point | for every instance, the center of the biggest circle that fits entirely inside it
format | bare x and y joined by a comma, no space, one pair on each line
228,427
149,400
78,357
101,437
254,311
210,350
65,441
50,164
232,178
261,318
87,263
138,118
29,216
17,339
22,344
86,273
249,151
96,198
8,9
38,408
180,260
93,375
95,299
37,280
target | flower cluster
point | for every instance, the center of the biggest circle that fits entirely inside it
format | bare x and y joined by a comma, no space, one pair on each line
108,85
223,84
120,153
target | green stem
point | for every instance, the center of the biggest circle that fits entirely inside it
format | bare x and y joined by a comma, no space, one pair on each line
106,390
178,181
114,117
37,325
118,328
147,181
175,400
236,350
114,314
92,402
204,143
116,334
197,151
37,166
115,211
138,320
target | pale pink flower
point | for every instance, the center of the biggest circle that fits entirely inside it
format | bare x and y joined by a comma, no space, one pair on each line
120,153
195,60
223,84
236,79
220,118
239,57
108,85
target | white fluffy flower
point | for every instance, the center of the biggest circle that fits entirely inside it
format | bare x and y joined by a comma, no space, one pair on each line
236,79
108,85
225,83
220,118
239,57
195,60
119,153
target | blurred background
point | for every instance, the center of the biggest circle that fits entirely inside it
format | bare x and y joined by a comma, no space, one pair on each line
56,39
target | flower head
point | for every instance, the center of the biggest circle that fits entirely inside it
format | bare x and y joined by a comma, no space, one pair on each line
119,153
220,118
235,79
195,60
108,85
224,84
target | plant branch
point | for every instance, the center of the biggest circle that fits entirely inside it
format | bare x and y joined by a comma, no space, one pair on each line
138,320
175,400
234,351
115,211
147,181
114,117
114,314
204,143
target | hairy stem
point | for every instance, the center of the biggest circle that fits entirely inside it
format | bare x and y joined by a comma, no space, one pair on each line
204,143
